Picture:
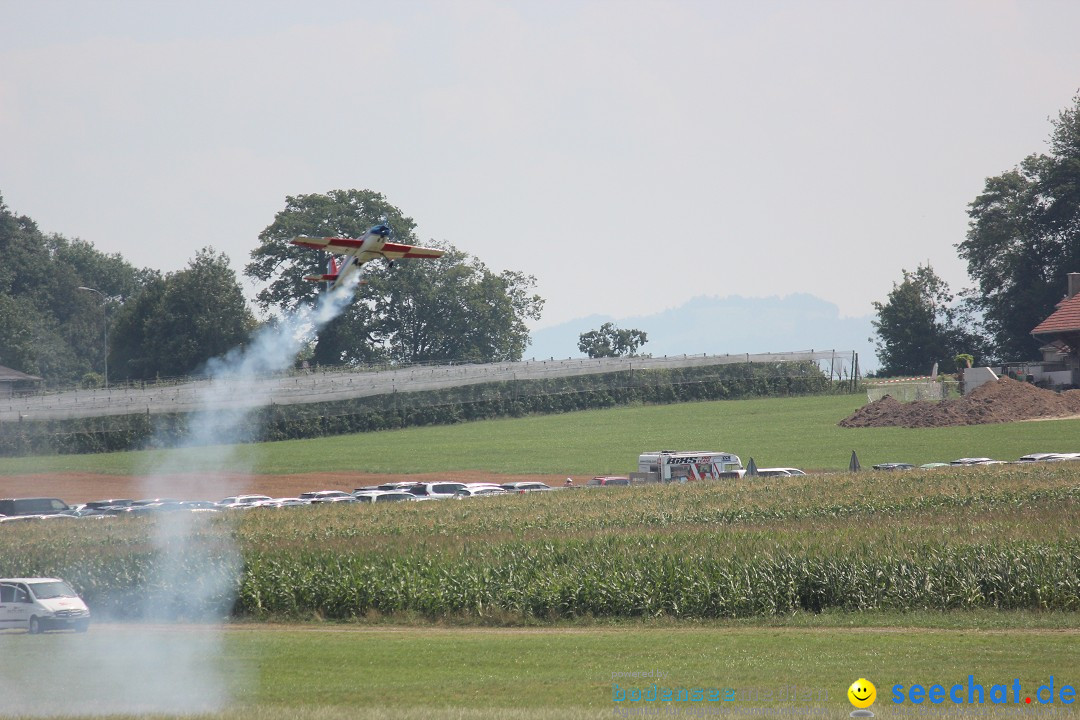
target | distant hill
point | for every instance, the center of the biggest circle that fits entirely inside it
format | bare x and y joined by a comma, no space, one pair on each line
730,324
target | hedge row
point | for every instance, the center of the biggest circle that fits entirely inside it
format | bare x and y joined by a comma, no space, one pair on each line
409,409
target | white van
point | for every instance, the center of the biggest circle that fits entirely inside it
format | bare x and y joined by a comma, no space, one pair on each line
40,604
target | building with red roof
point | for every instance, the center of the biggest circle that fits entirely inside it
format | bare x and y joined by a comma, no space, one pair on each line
1060,334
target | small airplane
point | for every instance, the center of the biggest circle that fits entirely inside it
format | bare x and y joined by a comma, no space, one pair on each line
374,244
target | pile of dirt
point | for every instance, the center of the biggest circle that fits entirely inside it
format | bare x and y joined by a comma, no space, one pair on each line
1005,400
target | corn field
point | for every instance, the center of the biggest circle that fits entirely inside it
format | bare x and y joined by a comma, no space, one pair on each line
1002,538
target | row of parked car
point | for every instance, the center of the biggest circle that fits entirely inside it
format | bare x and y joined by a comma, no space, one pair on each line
390,492
20,509
969,461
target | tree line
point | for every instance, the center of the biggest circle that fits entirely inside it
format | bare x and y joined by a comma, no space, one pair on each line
72,314
1023,240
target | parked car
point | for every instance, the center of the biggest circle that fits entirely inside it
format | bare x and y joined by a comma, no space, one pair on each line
894,466
779,472
282,502
605,480
405,485
100,508
240,501
153,501
521,487
325,495
1038,457
332,499
199,505
12,507
481,491
40,604
977,461
96,515
163,506
101,504
436,490
148,506
383,496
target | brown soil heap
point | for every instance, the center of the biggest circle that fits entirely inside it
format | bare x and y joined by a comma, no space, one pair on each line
1003,401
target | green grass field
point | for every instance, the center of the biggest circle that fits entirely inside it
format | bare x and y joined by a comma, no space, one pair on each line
342,671
800,432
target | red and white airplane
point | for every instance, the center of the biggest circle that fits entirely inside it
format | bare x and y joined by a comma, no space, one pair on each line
374,244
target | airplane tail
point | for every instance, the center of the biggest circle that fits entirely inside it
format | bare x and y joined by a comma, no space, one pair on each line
331,275
333,272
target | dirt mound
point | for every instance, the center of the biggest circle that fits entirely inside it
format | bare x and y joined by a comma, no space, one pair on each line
1005,400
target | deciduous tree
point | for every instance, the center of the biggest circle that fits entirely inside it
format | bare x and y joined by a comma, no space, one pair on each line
48,327
454,309
921,324
1024,239
181,320
610,341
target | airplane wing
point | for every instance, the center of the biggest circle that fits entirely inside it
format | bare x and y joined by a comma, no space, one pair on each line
346,246
333,244
393,251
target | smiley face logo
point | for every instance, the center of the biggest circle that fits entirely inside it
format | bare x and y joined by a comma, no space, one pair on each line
862,693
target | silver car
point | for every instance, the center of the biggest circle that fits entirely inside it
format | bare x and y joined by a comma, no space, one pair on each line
436,490
520,487
384,496
480,491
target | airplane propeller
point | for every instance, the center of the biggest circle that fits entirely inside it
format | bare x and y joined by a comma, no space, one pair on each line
393,234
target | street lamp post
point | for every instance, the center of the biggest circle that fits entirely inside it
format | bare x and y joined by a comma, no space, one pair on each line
105,326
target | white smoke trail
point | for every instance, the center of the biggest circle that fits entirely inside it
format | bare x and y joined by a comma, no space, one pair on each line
170,668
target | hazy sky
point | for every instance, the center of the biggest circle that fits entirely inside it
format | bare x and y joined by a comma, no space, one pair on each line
630,155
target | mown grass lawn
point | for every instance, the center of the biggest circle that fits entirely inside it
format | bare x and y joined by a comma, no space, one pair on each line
568,668
797,431
316,671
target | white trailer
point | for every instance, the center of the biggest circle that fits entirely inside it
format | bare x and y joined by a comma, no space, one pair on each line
672,466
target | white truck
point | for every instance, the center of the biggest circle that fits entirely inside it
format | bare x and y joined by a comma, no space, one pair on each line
667,466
